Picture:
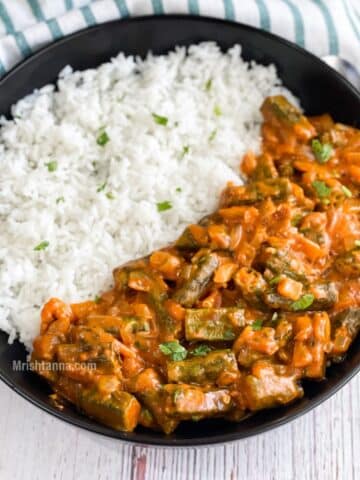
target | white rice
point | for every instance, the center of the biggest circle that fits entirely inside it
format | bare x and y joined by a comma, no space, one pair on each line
142,164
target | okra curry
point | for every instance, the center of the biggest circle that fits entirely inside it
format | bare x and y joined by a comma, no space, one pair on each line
230,318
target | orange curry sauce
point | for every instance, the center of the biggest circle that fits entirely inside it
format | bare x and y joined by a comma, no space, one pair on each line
227,320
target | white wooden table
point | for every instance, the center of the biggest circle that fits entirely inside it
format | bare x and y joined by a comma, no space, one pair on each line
322,445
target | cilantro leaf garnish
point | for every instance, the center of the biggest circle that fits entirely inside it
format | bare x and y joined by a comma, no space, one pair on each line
163,206
303,303
159,119
42,246
174,350
322,151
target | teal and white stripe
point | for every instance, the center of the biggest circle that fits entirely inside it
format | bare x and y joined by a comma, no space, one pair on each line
52,23
89,17
354,18
299,31
322,26
265,21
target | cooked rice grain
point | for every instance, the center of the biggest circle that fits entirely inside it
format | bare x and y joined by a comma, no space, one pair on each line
83,167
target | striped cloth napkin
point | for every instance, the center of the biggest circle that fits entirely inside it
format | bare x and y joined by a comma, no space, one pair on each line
321,26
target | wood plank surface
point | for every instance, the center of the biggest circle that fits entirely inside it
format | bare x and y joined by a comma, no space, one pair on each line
322,445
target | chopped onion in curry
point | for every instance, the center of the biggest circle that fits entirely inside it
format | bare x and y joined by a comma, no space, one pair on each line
233,315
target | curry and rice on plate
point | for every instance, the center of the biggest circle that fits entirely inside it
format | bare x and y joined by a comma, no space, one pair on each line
260,291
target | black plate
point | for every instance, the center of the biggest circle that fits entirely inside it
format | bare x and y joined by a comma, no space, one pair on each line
319,88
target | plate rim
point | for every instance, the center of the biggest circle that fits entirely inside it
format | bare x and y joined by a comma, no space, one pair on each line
163,440
169,441
177,16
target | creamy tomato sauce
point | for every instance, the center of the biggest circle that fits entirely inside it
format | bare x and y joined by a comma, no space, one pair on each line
231,317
